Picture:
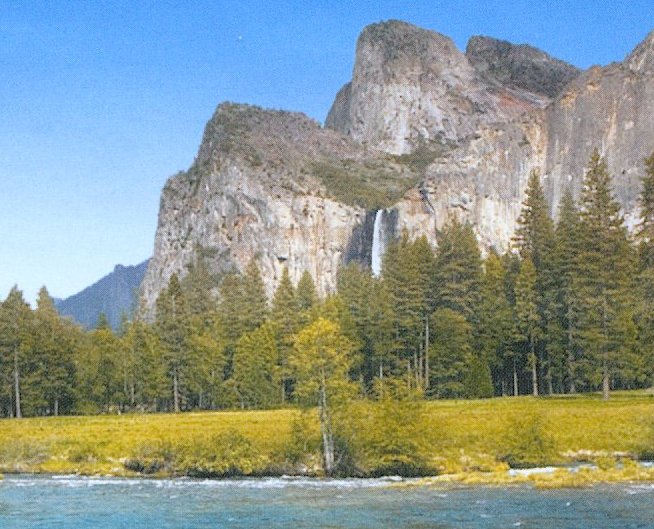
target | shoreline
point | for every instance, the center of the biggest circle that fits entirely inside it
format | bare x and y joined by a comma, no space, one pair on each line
583,475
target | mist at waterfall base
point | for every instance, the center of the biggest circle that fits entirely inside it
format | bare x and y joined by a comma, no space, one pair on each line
67,502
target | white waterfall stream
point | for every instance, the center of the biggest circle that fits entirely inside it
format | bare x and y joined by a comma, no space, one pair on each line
378,243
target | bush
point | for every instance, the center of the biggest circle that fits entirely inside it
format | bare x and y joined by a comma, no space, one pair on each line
527,443
389,440
226,454
152,457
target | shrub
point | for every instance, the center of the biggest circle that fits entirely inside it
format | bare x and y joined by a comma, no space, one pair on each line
527,443
226,454
152,457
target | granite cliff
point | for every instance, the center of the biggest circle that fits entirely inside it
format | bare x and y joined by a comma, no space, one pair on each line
422,131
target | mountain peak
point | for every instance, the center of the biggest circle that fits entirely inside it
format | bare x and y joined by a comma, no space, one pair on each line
642,58
519,66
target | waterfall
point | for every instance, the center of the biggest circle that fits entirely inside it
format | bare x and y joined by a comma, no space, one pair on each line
378,243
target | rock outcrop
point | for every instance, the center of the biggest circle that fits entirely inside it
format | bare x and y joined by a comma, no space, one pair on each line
411,86
423,131
520,67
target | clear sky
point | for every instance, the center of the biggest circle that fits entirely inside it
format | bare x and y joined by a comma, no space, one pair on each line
101,101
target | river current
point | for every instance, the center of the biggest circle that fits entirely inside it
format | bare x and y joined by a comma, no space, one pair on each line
62,502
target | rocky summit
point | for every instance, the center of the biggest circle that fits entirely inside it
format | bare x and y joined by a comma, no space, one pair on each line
421,132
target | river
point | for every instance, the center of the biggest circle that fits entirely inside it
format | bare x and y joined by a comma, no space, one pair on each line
62,502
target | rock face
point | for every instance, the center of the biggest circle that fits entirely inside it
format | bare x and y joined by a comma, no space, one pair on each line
520,67
411,85
261,188
422,131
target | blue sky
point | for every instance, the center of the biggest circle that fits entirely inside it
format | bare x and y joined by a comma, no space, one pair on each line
101,101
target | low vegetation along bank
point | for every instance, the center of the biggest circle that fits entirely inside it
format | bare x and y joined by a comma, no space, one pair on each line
459,441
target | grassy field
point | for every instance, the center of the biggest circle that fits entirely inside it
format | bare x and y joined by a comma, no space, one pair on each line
468,441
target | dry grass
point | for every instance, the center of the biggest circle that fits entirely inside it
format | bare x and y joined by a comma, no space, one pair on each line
468,441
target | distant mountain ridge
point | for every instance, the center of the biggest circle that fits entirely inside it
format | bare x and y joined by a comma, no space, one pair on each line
114,295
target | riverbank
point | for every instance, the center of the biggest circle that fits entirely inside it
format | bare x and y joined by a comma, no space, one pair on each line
467,442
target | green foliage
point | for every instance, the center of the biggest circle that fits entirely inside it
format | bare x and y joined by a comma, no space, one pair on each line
389,436
450,354
306,294
255,370
226,454
457,270
528,443
605,271
370,185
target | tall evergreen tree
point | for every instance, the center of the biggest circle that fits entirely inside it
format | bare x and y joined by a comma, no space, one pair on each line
563,325
534,238
15,347
172,321
495,331
256,373
147,376
528,320
604,263
54,344
307,296
285,316
407,271
369,306
450,354
457,271
645,277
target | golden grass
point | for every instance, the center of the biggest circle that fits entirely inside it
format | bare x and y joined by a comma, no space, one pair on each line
467,440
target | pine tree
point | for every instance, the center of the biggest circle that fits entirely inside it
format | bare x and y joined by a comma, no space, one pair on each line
495,331
645,277
369,306
15,336
255,303
256,373
407,271
198,286
563,325
173,332
102,370
147,380
307,296
450,354
457,271
534,238
527,317
604,263
54,344
285,316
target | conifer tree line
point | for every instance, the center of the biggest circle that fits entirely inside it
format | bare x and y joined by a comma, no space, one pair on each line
570,308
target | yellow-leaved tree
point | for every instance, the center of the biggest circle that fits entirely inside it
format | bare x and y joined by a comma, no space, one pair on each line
321,361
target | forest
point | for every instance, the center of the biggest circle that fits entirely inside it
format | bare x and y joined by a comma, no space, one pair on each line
569,309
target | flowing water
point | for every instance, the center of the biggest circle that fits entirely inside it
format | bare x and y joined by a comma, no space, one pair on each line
63,502
378,243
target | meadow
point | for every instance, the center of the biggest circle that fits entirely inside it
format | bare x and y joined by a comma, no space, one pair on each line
470,441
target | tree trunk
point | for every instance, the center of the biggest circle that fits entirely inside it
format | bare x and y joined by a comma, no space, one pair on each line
605,375
427,353
175,391
534,371
19,413
605,352
326,430
571,354
515,380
